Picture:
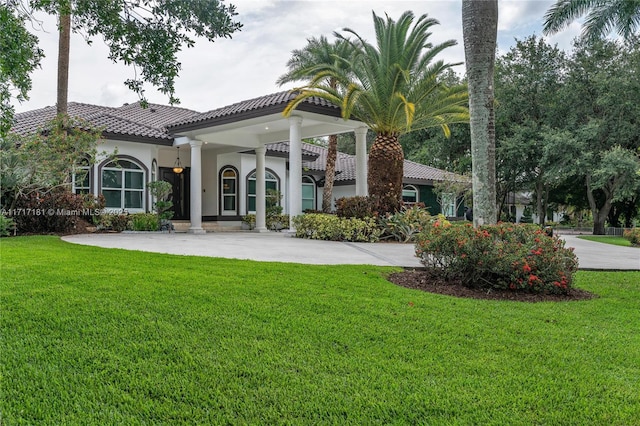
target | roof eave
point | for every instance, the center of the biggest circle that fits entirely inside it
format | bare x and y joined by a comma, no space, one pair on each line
137,138
254,113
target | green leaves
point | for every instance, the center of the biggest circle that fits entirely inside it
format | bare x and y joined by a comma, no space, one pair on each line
46,159
19,56
392,86
148,34
602,17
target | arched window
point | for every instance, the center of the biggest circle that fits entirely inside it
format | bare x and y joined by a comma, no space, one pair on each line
409,194
123,184
308,193
271,182
229,191
82,177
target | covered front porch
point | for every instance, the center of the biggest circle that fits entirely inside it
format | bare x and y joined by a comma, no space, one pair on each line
224,152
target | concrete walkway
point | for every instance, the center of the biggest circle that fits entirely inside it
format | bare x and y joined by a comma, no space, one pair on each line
281,247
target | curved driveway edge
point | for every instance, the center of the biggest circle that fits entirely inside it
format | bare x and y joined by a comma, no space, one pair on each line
281,247
268,246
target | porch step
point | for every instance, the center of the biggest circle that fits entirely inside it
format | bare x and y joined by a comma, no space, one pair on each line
184,225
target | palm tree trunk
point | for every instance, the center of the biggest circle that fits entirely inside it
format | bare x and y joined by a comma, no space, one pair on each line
330,174
63,64
480,28
386,168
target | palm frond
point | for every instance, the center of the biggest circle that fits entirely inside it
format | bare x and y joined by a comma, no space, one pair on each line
392,85
602,17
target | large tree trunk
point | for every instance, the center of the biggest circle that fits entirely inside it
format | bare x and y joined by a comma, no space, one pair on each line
599,213
63,63
480,28
330,174
630,211
540,204
386,168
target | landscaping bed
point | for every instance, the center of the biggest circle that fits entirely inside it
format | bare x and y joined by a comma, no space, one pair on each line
432,281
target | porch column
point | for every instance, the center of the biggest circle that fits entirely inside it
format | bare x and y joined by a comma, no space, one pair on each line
196,187
261,211
361,161
295,169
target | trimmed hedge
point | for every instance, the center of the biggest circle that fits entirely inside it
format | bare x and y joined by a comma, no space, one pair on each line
503,256
317,226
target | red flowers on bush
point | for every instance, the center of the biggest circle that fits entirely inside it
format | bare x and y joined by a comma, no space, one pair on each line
503,256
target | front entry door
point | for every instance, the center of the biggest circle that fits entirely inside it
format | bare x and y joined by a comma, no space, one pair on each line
181,194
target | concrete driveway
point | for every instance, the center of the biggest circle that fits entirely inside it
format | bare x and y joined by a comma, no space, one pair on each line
268,246
599,256
281,247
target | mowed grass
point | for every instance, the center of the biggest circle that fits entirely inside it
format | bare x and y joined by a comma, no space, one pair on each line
98,336
607,239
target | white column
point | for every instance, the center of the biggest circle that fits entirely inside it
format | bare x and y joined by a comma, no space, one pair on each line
361,161
196,187
261,213
295,169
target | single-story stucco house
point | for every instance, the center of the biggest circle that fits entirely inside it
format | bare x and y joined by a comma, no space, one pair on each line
229,155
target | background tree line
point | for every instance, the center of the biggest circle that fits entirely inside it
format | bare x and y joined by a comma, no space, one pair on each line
567,129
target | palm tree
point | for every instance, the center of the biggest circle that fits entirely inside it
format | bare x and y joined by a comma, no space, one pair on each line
302,66
393,87
480,29
603,16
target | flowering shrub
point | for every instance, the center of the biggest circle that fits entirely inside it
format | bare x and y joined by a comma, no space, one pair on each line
633,235
329,227
405,225
503,256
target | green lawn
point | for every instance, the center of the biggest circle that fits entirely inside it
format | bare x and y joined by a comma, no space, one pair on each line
97,336
608,239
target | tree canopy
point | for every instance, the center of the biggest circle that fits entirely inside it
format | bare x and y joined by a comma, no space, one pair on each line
19,56
146,35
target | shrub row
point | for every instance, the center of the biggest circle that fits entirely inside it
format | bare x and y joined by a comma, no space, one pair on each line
317,226
503,256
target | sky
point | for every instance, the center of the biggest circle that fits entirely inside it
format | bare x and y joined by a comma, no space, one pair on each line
246,66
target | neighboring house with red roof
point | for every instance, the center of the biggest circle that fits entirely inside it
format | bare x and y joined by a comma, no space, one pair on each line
227,156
